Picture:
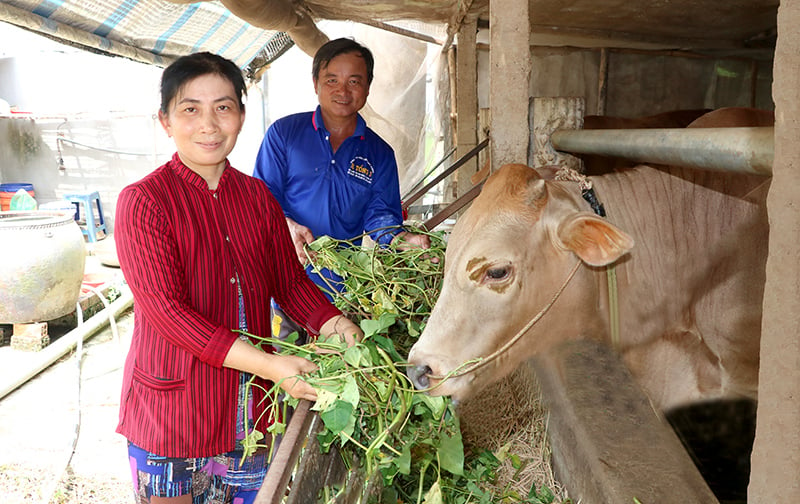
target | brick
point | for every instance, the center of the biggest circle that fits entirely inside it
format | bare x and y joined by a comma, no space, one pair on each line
5,334
33,330
30,337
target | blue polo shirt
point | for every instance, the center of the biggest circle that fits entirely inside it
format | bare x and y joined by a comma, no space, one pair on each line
342,194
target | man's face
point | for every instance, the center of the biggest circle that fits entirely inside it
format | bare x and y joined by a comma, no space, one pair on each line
342,87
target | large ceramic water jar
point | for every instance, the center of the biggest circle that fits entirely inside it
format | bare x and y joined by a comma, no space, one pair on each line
42,261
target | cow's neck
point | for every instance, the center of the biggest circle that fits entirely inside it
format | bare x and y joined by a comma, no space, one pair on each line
684,223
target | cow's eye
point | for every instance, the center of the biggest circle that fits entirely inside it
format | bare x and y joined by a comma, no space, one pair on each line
498,273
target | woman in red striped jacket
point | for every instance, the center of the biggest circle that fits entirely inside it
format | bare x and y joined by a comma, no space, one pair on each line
204,247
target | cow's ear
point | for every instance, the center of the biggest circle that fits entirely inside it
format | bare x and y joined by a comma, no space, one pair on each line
596,241
548,172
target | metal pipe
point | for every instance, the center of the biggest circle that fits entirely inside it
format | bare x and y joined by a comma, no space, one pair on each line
51,353
743,150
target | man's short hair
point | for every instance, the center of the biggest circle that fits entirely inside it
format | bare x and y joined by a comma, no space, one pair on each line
339,46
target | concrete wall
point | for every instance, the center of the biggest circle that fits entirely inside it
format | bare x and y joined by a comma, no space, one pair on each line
642,84
776,451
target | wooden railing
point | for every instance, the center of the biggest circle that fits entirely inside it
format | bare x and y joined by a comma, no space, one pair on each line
461,201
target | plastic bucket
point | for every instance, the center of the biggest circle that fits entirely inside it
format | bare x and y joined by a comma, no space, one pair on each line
7,191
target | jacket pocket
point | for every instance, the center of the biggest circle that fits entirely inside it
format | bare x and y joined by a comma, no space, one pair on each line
157,383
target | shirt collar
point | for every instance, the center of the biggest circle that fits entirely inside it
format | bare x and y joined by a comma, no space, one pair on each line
319,124
192,178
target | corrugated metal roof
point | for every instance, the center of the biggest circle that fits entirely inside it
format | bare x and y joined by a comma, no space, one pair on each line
150,31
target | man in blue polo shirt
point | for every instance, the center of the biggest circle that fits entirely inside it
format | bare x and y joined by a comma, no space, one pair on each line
331,173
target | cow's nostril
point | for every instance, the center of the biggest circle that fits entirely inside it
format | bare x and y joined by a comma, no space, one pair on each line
419,376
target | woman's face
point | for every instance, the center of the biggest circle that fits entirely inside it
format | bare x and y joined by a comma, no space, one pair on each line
204,120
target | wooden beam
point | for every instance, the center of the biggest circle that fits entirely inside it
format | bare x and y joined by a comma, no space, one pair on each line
776,451
284,462
466,101
609,445
558,35
509,81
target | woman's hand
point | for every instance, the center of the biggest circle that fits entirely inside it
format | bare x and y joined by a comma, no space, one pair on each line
288,370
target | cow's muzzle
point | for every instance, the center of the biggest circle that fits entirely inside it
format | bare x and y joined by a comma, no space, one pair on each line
419,376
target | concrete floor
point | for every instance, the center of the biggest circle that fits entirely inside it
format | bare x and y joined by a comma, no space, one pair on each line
38,420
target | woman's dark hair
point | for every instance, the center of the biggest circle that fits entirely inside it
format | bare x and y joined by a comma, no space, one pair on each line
191,66
339,46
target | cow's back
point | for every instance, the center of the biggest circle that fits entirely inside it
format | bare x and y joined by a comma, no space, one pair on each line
732,117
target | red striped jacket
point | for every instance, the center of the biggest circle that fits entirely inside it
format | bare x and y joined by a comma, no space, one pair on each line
180,248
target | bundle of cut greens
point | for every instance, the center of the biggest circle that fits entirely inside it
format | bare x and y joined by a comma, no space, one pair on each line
407,441
384,279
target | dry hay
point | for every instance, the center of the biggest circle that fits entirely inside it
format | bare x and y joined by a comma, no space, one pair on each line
508,417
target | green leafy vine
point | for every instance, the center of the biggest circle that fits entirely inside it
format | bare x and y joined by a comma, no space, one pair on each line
406,440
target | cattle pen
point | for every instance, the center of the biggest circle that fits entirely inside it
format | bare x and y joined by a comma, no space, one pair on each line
514,138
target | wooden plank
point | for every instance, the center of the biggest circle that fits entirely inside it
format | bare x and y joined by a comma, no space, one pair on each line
602,83
466,157
300,470
453,207
276,483
609,444
466,100
316,469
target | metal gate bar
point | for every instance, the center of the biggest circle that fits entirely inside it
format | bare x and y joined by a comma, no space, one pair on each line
744,150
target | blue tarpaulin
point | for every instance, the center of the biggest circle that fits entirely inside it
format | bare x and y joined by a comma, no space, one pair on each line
150,31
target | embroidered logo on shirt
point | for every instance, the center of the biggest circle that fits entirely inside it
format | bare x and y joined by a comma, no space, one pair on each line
361,169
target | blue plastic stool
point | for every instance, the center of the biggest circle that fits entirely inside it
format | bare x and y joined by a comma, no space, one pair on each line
87,199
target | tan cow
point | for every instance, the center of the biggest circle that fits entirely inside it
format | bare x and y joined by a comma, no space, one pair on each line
689,247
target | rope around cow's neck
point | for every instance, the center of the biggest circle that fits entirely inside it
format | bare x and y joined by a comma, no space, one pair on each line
587,192
486,360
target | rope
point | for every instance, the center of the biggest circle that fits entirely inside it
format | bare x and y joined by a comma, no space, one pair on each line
567,174
486,360
613,305
587,191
